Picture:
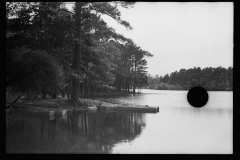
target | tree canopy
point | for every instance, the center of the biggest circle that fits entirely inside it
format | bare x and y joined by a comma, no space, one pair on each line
51,49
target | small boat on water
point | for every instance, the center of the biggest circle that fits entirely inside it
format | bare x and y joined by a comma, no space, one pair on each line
139,108
131,108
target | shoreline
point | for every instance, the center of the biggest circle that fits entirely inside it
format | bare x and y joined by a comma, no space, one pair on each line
61,106
64,103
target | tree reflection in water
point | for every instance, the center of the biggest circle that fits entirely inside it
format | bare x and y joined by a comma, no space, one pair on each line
83,133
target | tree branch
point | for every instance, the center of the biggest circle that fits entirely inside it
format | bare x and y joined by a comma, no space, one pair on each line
120,43
62,9
119,21
116,3
84,18
8,106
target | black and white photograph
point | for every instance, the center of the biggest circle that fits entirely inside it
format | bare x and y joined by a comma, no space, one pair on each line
119,77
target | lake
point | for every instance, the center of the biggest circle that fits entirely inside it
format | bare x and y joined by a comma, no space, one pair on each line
178,128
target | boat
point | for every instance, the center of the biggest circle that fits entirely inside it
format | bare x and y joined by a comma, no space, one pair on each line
130,108
139,108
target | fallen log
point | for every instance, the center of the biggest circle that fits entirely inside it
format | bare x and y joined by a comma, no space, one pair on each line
8,106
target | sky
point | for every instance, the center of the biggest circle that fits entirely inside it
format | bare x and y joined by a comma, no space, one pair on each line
180,34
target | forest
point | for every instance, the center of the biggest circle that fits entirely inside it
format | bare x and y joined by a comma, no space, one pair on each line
51,50
212,79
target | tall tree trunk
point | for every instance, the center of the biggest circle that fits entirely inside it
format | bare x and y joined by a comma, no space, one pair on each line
89,88
77,54
49,89
134,87
85,89
54,93
94,92
63,93
134,76
69,90
44,92
125,85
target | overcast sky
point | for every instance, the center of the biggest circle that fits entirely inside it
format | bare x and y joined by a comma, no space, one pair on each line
180,34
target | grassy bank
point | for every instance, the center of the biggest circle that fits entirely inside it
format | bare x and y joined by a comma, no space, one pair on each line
104,98
62,103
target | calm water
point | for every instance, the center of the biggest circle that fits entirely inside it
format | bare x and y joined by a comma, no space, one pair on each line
177,128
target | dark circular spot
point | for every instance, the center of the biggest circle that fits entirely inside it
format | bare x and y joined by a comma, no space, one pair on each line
197,96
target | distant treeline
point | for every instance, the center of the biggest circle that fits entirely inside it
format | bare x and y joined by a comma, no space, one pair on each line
212,79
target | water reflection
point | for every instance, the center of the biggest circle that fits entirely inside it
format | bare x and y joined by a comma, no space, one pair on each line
200,111
177,128
83,133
